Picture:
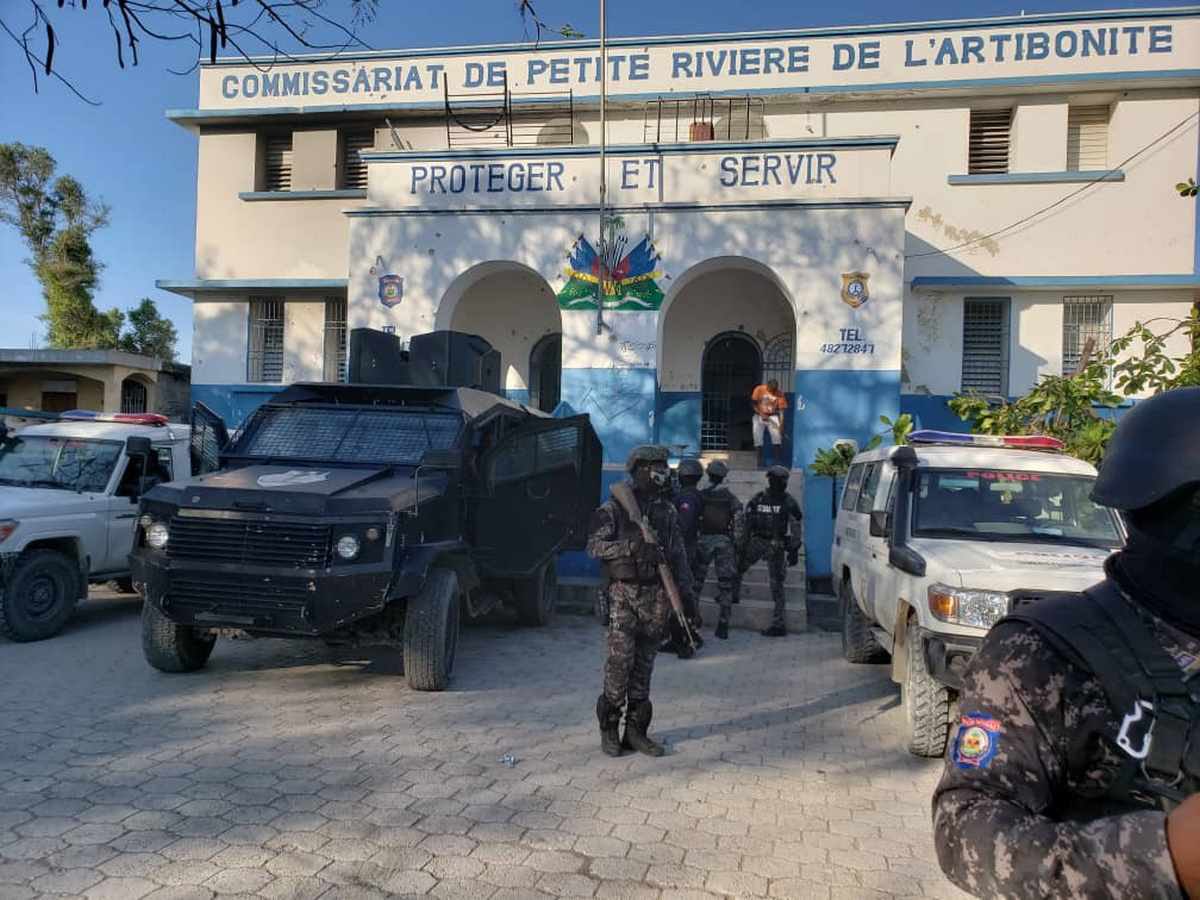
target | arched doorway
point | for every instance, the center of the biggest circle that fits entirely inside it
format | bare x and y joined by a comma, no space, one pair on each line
730,370
545,373
726,326
514,308
133,396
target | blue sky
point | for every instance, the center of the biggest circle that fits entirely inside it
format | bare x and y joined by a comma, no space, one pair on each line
125,152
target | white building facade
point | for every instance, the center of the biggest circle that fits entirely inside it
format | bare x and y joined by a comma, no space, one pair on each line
877,217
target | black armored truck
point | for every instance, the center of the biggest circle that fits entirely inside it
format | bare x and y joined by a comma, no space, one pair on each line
367,513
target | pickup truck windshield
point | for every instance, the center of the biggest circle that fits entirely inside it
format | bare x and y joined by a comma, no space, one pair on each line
999,505
69,464
347,435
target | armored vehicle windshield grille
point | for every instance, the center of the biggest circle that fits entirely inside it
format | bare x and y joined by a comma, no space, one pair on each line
348,435
268,601
250,541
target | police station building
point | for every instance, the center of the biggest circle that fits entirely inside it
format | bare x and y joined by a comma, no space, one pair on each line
877,217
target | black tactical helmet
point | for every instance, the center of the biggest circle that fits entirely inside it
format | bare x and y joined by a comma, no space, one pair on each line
689,468
779,472
646,453
717,469
1154,452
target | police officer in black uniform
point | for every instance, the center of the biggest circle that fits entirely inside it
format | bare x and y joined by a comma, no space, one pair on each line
1075,769
769,515
689,504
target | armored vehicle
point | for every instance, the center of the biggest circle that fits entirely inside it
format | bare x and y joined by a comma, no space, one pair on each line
365,514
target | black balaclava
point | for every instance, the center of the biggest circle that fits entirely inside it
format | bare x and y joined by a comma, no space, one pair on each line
776,486
688,482
1160,565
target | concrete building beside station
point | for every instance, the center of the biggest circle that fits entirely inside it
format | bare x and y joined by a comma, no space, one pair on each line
878,217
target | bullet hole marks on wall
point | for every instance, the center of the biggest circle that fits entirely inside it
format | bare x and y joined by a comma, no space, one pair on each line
929,323
959,235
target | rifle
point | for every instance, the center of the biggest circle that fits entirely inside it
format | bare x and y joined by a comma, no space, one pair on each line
623,494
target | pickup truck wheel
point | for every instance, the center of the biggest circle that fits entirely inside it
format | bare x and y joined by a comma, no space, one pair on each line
536,597
125,585
858,644
431,632
170,647
926,701
40,596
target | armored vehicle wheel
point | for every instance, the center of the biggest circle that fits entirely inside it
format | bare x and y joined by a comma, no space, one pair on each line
536,597
40,596
431,632
858,644
170,647
926,702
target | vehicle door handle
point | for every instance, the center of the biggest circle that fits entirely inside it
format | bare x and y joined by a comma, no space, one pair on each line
131,515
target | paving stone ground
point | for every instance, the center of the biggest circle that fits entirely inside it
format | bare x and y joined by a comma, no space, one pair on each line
290,770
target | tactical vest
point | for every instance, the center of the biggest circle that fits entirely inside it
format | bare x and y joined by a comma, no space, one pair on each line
768,517
1159,738
717,514
636,568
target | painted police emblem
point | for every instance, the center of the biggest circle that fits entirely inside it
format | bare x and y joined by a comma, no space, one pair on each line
854,289
291,478
391,290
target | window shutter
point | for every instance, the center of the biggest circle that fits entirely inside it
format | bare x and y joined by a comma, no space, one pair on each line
991,131
1087,138
985,346
278,163
1085,319
354,169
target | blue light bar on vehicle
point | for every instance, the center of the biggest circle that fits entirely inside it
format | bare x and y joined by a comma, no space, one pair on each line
1009,441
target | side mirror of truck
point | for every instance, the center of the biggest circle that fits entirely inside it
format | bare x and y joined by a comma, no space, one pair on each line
881,523
138,446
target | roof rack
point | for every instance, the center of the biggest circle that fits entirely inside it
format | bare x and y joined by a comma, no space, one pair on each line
1040,442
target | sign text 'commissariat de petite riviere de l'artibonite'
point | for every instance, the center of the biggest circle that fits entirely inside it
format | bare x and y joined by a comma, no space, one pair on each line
764,63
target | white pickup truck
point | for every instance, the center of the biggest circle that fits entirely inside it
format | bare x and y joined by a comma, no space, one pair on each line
937,541
69,492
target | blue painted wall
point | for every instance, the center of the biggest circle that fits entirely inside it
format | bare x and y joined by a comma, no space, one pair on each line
678,418
931,411
234,402
819,514
620,402
841,404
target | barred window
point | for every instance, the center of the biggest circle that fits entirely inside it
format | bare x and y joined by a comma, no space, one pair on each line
354,168
985,345
335,339
1087,326
1087,138
277,162
264,358
988,144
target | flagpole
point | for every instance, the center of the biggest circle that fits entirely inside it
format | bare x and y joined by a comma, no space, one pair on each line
602,270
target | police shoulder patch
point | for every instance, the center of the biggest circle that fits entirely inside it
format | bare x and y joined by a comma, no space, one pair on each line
977,741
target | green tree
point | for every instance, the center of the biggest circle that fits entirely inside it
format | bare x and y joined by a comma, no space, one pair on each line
56,219
149,334
1070,407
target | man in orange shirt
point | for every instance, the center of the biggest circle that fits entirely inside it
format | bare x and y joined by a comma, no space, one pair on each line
769,403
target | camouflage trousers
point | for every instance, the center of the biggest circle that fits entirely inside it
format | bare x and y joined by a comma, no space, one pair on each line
717,550
775,553
637,621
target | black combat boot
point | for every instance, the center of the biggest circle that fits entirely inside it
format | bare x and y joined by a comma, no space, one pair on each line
774,631
610,726
637,722
722,631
